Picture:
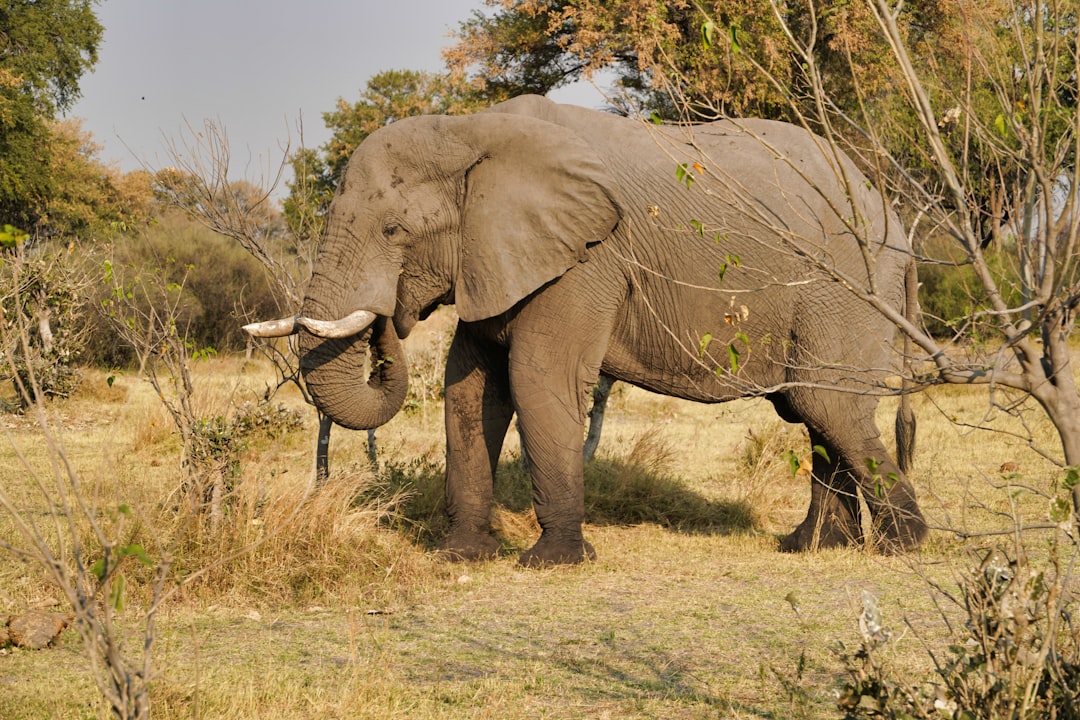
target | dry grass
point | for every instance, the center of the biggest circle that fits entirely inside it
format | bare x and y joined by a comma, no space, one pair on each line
340,610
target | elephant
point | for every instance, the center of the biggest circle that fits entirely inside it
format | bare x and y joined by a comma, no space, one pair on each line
575,242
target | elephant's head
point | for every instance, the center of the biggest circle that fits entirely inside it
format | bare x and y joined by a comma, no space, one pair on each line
479,211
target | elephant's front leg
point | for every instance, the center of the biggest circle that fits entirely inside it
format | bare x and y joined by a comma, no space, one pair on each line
478,413
548,392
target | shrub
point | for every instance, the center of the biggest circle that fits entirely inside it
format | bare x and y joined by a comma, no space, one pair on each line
221,286
46,295
216,442
950,294
266,419
427,367
1016,655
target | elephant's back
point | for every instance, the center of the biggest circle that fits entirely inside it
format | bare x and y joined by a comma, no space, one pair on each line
739,204
750,165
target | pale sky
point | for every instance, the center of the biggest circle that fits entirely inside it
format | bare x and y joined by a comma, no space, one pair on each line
257,67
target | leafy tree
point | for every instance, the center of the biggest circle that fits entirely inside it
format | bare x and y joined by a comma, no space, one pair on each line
45,47
539,45
522,48
310,193
388,96
535,46
48,45
24,137
89,199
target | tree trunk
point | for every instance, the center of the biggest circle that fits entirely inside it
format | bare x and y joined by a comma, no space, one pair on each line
1057,395
217,498
45,329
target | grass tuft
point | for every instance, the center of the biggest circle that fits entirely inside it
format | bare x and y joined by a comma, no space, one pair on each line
285,542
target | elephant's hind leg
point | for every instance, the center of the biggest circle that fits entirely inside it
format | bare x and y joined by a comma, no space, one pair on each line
478,413
845,424
897,524
834,518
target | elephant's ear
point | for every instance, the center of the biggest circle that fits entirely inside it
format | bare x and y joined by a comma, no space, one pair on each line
536,196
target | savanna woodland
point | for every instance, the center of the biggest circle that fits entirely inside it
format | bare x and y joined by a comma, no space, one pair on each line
172,548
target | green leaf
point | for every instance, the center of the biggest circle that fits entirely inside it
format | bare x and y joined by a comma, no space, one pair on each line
820,450
684,175
10,236
699,227
655,118
708,33
1060,510
743,337
733,356
1072,477
723,270
98,569
136,551
735,46
703,345
793,461
999,124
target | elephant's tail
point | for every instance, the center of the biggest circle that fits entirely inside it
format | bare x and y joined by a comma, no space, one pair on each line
905,416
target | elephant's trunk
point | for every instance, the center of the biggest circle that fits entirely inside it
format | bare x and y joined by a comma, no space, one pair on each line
360,381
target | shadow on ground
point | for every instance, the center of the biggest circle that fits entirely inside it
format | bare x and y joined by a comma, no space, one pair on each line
618,491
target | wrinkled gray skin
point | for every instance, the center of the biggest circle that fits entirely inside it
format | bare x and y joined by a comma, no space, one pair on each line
565,240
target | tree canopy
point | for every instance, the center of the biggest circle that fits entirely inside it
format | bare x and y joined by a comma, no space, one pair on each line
45,48
388,96
47,45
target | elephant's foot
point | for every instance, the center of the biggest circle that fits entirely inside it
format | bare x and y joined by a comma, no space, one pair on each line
462,545
549,551
898,530
822,534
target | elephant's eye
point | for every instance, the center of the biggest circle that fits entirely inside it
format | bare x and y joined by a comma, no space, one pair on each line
391,229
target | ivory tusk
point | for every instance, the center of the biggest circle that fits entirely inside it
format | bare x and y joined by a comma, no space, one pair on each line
350,325
274,328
